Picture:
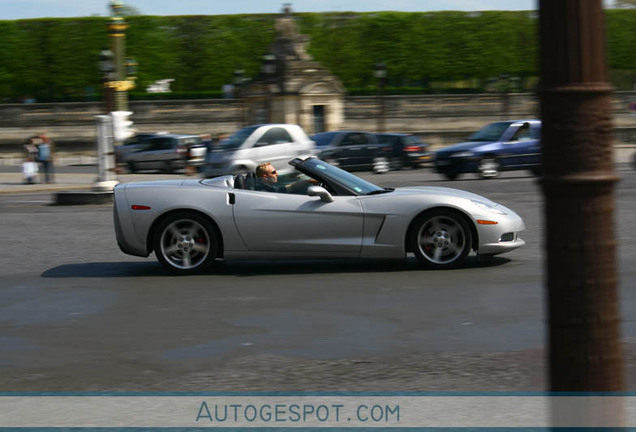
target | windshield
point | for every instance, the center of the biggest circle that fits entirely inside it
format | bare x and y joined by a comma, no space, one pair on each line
492,132
237,139
323,139
323,171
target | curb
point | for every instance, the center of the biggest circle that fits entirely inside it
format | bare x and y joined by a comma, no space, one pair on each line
53,189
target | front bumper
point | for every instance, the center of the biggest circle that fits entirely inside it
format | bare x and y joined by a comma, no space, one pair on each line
455,165
502,237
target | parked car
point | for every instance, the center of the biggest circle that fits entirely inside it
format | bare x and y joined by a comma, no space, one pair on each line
132,144
406,150
252,145
353,150
190,224
500,146
167,152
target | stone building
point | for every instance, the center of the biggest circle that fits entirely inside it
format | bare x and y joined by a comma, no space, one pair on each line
292,87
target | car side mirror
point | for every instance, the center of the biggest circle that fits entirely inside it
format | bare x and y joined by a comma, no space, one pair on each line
321,192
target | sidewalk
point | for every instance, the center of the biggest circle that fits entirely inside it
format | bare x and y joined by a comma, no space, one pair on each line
12,182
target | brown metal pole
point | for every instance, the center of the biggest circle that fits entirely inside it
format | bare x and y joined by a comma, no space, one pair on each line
578,184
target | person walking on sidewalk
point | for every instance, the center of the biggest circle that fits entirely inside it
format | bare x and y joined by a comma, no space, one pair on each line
45,157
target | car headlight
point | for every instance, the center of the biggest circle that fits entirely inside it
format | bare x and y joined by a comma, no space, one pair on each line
489,208
464,154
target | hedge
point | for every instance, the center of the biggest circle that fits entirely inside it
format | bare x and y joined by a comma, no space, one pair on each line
57,59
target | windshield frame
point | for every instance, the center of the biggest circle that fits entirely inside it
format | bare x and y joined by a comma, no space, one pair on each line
491,132
340,181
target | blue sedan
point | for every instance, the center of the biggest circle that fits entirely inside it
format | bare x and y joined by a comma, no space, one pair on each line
500,146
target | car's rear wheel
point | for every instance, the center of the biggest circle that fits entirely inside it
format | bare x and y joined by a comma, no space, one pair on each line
380,164
488,168
185,243
441,239
167,167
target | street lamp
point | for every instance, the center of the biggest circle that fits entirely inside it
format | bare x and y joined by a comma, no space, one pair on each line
268,70
107,69
239,79
380,75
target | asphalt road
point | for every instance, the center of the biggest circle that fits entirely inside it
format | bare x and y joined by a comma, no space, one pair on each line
76,314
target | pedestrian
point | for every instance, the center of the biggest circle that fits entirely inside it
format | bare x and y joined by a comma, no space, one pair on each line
31,148
45,157
29,169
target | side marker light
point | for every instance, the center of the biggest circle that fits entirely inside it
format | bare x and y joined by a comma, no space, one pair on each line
486,222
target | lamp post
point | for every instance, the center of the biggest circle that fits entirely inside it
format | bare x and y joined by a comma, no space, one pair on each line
117,34
268,70
239,79
118,75
578,183
107,70
380,75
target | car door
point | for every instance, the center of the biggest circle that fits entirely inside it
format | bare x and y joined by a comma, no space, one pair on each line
281,222
150,157
352,150
522,147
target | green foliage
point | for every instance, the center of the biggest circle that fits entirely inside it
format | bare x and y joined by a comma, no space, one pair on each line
54,59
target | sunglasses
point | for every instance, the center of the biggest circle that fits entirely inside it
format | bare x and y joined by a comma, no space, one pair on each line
273,172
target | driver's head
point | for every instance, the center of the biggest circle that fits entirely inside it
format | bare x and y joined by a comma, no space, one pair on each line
267,173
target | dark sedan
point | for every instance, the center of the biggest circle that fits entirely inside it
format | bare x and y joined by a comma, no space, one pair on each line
500,146
405,150
352,150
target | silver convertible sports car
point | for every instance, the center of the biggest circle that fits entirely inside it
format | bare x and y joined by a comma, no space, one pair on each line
189,224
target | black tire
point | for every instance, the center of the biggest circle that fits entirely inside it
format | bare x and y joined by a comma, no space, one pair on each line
131,167
381,164
167,167
488,167
441,239
185,243
451,176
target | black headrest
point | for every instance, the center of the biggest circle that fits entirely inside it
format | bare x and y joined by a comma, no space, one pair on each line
239,181
250,180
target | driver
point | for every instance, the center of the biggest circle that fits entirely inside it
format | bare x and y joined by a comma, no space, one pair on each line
267,177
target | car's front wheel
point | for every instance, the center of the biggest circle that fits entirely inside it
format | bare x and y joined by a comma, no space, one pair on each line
185,243
381,164
488,168
441,239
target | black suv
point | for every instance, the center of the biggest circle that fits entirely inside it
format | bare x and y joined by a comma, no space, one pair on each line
352,150
406,150
167,153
